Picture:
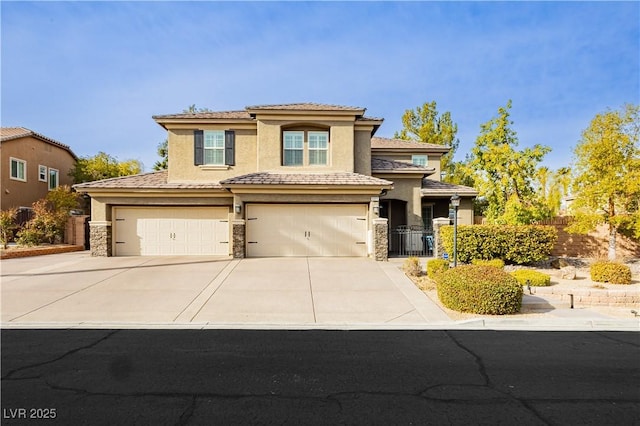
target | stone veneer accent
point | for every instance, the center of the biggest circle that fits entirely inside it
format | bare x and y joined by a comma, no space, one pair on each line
380,239
438,249
100,238
238,230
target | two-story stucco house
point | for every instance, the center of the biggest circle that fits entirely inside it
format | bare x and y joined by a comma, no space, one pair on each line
271,180
32,165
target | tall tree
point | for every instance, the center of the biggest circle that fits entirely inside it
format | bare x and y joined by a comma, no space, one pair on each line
504,175
425,124
163,153
163,147
607,175
102,166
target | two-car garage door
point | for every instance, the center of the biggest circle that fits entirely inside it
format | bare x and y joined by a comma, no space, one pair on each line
272,230
306,230
171,231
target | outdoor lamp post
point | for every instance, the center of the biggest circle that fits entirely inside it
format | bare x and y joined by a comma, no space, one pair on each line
455,202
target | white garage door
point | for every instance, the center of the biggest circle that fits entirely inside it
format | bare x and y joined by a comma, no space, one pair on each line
170,231
306,230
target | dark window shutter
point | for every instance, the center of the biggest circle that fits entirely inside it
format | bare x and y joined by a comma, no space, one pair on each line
229,147
198,147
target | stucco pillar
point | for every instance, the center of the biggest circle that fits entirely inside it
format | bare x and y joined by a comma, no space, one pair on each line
438,249
380,239
100,238
238,231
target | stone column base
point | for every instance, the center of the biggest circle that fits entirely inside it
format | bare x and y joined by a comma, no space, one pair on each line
380,239
100,238
238,230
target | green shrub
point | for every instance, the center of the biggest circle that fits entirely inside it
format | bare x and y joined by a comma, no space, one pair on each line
611,272
496,263
479,289
515,244
7,225
412,267
436,266
535,278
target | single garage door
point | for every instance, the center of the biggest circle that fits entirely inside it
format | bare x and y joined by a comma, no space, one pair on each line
306,230
171,231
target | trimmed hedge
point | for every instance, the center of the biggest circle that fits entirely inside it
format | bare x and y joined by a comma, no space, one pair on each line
611,272
535,278
479,289
436,266
515,244
496,263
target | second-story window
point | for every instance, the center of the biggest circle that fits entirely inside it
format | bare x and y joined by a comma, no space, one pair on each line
300,148
420,160
318,148
293,148
214,147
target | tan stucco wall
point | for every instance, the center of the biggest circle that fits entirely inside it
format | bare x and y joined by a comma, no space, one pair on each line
181,153
341,146
406,189
35,152
465,212
362,152
259,148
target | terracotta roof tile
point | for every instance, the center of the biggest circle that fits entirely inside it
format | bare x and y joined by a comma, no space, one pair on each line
381,164
306,106
233,115
10,133
153,180
269,178
387,143
434,188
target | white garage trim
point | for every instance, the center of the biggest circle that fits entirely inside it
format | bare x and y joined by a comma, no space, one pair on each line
159,231
275,230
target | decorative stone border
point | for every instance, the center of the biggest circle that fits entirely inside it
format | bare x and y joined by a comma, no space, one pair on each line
592,296
39,251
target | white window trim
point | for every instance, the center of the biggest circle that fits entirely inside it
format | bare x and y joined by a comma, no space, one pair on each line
420,156
42,170
325,149
57,178
24,169
306,148
284,149
205,149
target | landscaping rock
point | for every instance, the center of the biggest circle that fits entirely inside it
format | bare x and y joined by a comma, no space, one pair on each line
568,273
559,263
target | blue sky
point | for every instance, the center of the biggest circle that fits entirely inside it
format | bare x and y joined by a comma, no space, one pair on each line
91,74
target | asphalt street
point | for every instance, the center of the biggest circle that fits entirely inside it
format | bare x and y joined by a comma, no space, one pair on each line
244,377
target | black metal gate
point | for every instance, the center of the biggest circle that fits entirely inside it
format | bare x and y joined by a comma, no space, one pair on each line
411,241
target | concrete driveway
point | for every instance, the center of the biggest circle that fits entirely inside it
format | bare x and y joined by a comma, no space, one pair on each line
79,290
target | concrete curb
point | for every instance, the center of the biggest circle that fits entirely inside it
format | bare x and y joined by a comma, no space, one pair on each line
474,324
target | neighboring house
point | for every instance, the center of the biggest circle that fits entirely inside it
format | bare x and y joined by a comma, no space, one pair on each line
32,165
271,180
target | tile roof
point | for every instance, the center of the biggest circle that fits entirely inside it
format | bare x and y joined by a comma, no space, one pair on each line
245,115
381,164
233,115
270,178
434,188
153,180
10,133
388,143
306,106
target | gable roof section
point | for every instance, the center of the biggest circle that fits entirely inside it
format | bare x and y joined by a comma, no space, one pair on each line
307,106
11,133
434,188
340,179
381,165
153,180
378,143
